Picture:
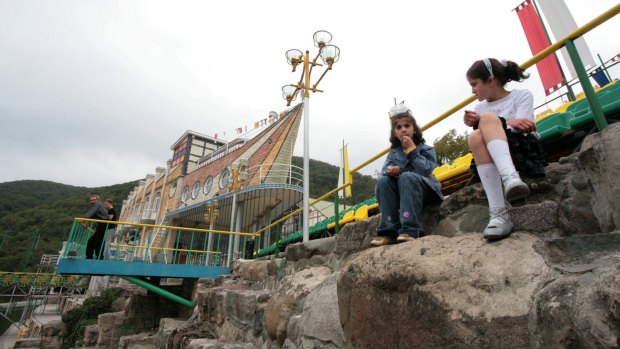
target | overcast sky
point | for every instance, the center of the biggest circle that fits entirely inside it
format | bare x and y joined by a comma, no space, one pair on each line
94,93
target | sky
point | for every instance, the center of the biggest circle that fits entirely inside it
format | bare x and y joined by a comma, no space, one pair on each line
94,93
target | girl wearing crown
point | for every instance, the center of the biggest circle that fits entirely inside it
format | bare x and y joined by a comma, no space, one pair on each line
504,131
407,182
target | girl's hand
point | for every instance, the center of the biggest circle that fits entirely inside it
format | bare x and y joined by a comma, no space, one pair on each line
406,142
522,124
393,171
470,118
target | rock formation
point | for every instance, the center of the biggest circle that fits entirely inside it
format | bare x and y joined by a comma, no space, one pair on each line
555,283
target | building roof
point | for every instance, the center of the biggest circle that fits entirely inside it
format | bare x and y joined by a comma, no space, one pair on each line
198,135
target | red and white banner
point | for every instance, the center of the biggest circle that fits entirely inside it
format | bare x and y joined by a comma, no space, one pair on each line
561,23
548,68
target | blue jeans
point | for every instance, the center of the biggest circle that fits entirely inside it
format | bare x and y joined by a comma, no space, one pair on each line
401,200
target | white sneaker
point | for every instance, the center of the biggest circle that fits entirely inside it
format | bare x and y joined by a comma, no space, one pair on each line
499,225
514,188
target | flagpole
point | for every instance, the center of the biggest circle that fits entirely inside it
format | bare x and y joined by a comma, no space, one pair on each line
344,178
571,94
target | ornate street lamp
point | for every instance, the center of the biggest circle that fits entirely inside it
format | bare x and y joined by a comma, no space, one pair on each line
330,55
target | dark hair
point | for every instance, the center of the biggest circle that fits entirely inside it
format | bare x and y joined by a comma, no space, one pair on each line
108,200
502,73
417,137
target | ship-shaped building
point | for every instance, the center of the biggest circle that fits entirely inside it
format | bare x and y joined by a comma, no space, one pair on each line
244,184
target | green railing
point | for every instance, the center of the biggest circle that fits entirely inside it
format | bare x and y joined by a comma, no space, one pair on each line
150,243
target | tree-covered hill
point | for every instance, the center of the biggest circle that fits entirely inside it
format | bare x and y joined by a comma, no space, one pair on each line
18,195
35,224
36,216
324,177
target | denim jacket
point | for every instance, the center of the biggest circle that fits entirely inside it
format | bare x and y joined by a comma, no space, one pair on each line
421,161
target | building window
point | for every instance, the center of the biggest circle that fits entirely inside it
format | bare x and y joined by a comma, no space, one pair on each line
208,185
156,202
196,189
137,211
224,177
173,189
147,204
185,194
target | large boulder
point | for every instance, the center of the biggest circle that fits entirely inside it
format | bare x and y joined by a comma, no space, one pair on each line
52,333
285,299
91,333
581,310
597,160
434,292
318,324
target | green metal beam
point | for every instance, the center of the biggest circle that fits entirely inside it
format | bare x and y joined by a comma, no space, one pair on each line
595,105
160,291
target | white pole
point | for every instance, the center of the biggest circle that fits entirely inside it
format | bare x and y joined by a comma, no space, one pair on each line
306,235
238,215
232,228
210,241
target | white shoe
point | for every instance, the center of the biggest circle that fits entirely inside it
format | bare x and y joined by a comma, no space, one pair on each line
514,188
499,225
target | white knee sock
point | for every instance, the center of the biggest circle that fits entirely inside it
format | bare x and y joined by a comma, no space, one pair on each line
492,184
498,149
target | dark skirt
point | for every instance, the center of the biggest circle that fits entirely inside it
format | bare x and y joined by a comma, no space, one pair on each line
527,155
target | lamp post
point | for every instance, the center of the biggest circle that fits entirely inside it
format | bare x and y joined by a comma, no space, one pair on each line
330,55
238,175
211,216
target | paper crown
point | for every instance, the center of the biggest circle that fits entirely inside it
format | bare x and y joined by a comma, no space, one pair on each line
399,109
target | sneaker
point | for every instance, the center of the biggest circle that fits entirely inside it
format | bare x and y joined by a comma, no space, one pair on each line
499,225
514,188
404,238
383,241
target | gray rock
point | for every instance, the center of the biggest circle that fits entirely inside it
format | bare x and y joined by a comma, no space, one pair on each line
356,237
24,343
438,292
318,325
138,341
598,160
251,270
292,290
320,247
581,311
106,323
51,334
91,334
581,249
539,217
214,344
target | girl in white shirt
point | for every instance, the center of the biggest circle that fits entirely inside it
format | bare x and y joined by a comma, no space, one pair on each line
504,130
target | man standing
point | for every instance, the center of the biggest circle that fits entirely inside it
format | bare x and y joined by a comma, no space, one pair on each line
97,211
111,232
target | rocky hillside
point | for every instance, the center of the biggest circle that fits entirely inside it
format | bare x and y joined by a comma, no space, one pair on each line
555,283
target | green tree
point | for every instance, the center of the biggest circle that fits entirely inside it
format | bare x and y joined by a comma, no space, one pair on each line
38,224
451,146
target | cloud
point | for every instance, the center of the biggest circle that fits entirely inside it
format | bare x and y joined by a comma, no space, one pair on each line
94,93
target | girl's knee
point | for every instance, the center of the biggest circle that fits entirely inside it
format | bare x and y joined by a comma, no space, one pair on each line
383,180
383,183
410,178
475,138
489,118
